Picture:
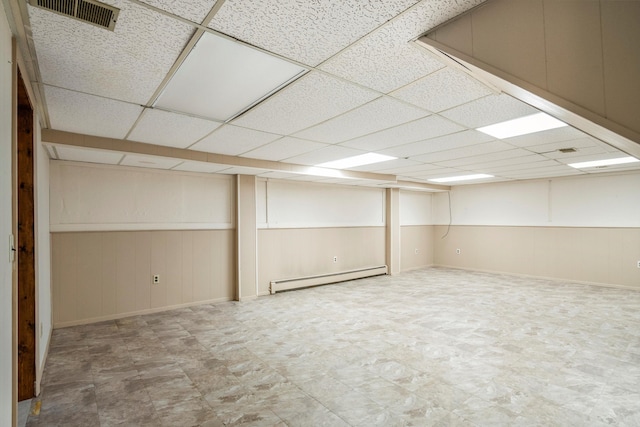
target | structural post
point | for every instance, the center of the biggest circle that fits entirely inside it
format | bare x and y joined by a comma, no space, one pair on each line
246,238
393,230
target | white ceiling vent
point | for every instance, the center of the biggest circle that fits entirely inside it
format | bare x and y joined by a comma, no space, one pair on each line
90,11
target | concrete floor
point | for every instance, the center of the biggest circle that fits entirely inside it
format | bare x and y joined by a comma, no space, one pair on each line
435,347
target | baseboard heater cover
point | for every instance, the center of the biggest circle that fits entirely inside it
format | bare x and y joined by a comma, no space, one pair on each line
324,279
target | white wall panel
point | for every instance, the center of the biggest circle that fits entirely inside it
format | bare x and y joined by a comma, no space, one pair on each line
90,197
415,208
585,201
597,201
5,222
43,249
299,204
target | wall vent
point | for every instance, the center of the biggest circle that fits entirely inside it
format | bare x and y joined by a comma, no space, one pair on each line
567,150
90,11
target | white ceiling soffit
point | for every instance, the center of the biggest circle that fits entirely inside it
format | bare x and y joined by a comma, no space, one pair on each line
125,64
221,78
308,101
170,129
305,31
90,115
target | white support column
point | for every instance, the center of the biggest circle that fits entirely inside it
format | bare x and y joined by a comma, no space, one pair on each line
246,238
393,230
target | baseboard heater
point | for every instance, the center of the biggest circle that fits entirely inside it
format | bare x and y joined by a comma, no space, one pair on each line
324,279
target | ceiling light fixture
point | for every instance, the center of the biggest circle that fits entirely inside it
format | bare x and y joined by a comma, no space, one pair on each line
462,178
221,79
606,162
361,160
522,126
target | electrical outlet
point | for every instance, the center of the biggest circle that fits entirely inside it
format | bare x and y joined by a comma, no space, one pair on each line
458,251
417,251
335,259
156,279
638,264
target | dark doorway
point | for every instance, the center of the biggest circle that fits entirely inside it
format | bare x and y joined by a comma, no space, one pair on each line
26,248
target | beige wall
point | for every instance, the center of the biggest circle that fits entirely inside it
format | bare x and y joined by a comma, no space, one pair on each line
106,275
300,252
597,255
416,246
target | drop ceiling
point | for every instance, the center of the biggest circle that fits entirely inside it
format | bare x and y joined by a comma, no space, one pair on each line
362,85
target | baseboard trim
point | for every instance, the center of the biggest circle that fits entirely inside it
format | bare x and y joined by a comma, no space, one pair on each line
40,370
533,276
58,325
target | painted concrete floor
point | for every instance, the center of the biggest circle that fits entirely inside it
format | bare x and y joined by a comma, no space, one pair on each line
435,347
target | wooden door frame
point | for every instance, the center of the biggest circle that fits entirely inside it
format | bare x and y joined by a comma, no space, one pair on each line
26,263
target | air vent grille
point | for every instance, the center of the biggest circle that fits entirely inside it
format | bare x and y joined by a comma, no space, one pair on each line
90,11
567,150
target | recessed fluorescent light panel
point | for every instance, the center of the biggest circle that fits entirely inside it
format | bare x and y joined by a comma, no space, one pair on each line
522,126
600,163
352,162
462,178
220,79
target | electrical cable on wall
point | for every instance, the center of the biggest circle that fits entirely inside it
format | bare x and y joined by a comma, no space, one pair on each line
448,226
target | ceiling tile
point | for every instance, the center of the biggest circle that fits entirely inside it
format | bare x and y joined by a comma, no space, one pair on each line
379,114
443,89
580,153
475,161
408,170
193,10
519,164
153,162
388,165
545,172
326,154
204,167
554,146
290,28
546,137
90,115
308,101
447,142
126,64
438,173
428,127
458,153
283,148
88,155
489,110
591,157
170,129
381,66
233,140
385,60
